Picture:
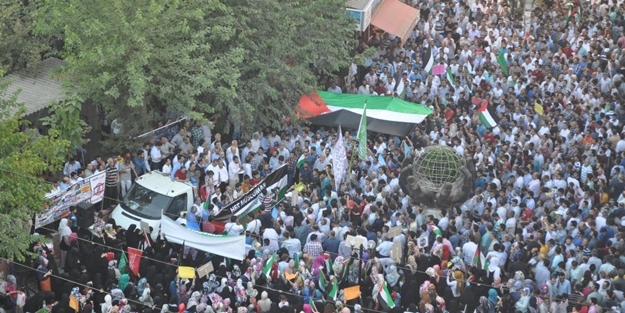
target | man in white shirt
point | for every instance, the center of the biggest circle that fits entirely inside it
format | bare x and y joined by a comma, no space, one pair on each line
273,237
234,227
384,249
234,168
156,156
222,175
468,250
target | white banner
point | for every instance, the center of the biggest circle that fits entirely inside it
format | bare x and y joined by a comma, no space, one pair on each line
90,190
232,247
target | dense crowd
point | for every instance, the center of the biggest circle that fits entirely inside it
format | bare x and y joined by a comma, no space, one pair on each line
543,232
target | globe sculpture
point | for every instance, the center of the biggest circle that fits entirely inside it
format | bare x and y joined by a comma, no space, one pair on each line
438,178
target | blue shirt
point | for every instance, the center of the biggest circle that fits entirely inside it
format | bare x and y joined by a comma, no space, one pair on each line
192,222
175,169
64,185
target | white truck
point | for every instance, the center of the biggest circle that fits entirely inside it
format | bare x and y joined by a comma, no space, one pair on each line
153,194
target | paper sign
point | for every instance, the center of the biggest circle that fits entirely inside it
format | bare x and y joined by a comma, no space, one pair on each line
294,197
355,242
438,69
539,109
394,232
352,293
186,272
205,270
422,242
289,276
145,227
396,251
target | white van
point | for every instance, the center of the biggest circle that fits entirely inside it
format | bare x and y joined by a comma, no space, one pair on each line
151,195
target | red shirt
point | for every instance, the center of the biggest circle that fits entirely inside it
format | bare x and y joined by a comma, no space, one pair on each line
449,115
180,175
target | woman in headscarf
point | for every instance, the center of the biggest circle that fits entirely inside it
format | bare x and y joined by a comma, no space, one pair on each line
428,294
264,303
132,238
392,277
43,275
455,281
493,298
10,288
124,280
523,304
64,233
484,306
493,271
72,258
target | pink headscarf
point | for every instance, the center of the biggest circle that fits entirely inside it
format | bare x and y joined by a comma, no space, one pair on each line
319,261
307,308
425,286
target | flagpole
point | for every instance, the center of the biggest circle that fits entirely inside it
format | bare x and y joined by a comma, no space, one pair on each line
351,158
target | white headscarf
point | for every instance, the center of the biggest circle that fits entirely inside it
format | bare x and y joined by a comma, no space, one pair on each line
64,230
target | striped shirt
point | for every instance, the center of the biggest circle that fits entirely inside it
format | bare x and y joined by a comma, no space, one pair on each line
112,176
268,202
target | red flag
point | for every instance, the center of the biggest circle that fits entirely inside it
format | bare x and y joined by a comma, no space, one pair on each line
134,260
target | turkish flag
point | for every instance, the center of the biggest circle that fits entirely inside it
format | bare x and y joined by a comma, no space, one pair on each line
134,260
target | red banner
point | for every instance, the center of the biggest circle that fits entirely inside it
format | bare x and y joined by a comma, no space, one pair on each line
134,260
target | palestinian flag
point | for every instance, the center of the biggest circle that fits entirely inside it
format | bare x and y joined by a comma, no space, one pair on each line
487,115
327,107
479,260
322,281
312,304
335,289
450,76
435,230
428,60
568,16
300,161
267,268
296,260
329,265
501,59
386,297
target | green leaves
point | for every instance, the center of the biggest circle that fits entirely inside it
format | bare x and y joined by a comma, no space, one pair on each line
24,159
65,121
247,64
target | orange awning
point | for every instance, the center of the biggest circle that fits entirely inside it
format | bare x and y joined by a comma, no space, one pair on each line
396,18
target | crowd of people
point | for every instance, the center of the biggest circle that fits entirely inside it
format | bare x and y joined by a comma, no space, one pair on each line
542,232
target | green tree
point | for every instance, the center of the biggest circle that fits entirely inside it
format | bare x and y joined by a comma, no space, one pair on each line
65,120
24,158
19,46
249,64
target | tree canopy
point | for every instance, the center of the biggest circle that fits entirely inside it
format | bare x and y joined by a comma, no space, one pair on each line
248,64
24,159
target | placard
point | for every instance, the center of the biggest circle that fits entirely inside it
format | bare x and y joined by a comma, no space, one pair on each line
186,272
394,232
205,270
396,251
355,242
289,276
422,242
438,69
145,227
352,293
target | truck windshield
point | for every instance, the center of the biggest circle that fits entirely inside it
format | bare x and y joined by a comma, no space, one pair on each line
145,202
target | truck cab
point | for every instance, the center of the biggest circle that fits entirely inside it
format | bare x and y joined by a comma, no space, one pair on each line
153,194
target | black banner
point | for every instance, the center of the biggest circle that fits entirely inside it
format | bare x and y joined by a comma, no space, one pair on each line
250,201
